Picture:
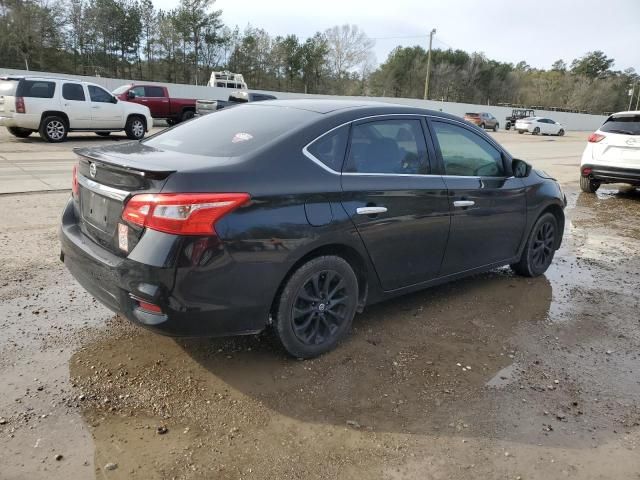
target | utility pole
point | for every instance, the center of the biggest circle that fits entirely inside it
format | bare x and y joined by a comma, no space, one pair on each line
426,80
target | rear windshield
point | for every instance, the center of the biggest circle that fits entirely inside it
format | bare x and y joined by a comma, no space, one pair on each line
231,132
36,89
8,87
626,125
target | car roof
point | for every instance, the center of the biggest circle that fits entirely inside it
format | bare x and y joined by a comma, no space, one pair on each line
366,107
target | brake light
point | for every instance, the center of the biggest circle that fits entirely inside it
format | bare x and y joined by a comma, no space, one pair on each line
595,138
182,213
74,181
586,171
20,108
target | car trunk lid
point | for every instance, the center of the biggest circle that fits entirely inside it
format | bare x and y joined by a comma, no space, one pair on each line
621,142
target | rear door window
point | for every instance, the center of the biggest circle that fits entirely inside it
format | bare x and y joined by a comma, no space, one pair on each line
625,125
154,91
330,148
388,146
36,89
73,91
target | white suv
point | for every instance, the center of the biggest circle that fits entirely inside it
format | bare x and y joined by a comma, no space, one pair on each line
56,106
612,154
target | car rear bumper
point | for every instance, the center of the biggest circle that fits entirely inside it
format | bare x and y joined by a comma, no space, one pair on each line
608,174
195,301
30,122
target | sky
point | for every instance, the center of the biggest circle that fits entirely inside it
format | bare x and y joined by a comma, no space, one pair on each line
538,32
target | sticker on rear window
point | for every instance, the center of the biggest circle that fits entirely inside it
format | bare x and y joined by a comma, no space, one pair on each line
241,137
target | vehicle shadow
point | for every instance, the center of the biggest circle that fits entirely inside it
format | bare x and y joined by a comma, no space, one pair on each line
416,364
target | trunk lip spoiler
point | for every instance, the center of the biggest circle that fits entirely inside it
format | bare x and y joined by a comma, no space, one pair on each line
109,159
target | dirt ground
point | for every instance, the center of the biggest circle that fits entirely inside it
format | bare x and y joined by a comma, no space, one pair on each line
492,377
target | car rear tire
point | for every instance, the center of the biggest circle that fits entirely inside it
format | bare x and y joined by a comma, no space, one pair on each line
536,131
187,115
135,128
53,129
540,248
19,132
588,184
316,307
103,134
507,126
561,133
521,132
171,121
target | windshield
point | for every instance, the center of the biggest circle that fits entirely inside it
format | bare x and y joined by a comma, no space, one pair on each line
121,89
231,132
626,125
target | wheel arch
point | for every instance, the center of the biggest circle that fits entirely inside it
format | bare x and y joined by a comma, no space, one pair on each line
557,212
348,253
55,113
140,116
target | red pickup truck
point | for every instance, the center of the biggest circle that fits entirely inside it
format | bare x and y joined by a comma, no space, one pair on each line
157,98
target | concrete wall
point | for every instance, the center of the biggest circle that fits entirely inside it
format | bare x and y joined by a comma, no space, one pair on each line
572,121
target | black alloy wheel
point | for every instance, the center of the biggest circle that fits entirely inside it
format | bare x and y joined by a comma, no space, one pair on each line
317,306
540,248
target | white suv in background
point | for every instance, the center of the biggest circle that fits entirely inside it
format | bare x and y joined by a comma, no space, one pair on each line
56,106
612,154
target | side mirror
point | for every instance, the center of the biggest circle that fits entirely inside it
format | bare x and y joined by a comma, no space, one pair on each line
114,100
131,94
520,168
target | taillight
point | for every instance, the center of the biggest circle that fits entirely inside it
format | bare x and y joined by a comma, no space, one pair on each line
20,105
182,213
74,181
586,171
595,138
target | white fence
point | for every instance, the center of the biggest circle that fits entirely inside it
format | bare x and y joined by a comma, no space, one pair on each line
572,121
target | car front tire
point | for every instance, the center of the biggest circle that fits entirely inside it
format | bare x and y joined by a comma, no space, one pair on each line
53,129
19,132
540,248
135,128
561,133
316,307
495,127
588,184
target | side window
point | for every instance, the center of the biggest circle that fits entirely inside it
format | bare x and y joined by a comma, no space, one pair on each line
138,91
36,89
330,148
466,154
73,91
154,91
388,146
97,94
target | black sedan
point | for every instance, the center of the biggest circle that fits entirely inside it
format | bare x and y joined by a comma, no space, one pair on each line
296,214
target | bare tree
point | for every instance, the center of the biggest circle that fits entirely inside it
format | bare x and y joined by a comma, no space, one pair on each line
348,48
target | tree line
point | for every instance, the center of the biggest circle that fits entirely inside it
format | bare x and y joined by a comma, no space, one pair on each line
133,39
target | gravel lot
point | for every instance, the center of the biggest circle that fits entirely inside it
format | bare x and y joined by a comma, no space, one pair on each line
492,377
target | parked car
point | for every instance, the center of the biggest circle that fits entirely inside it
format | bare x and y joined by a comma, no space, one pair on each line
539,126
612,154
483,120
56,106
296,214
207,106
161,104
517,114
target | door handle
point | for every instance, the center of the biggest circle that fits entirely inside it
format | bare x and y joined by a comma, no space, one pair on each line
464,203
370,210
96,106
